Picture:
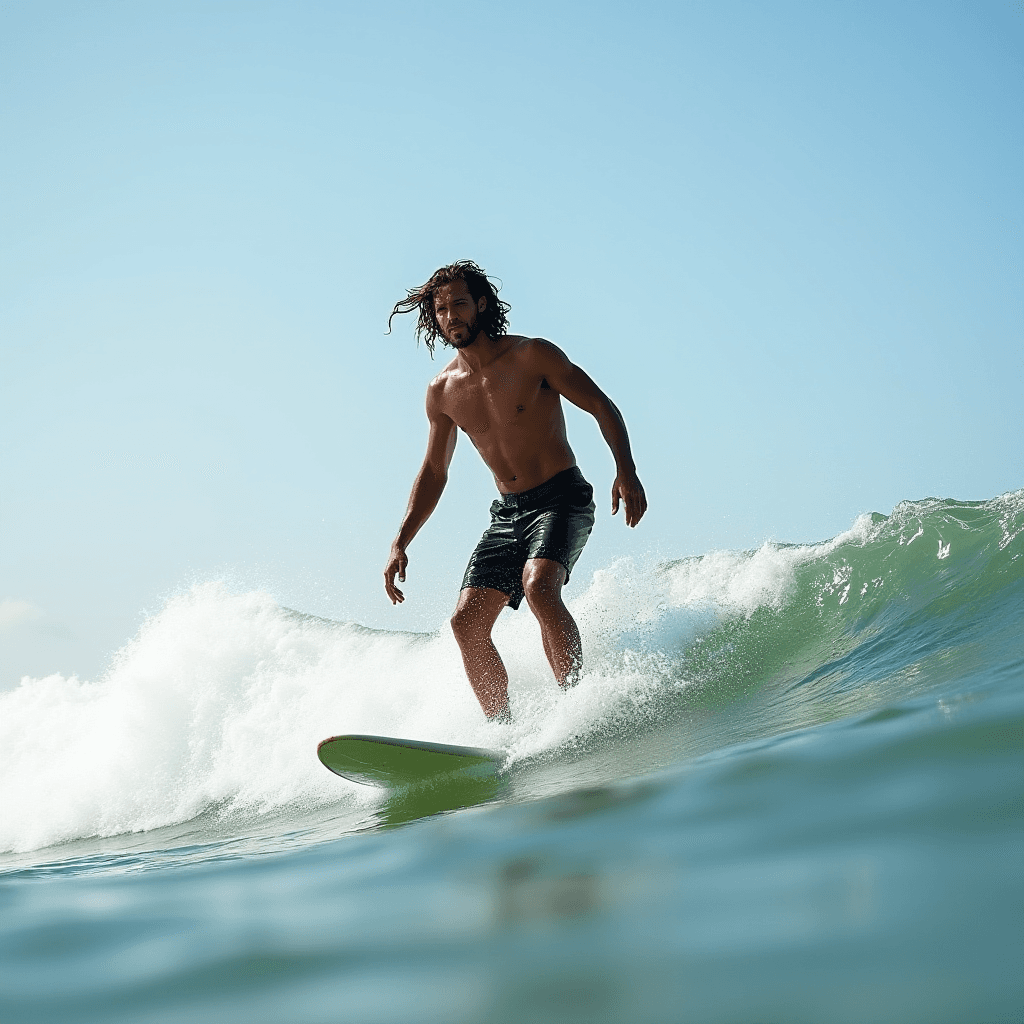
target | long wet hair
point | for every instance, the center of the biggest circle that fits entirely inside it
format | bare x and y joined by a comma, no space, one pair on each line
493,320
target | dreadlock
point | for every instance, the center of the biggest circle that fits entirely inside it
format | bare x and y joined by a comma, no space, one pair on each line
493,320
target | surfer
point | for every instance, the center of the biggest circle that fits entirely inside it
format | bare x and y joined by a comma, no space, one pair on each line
505,392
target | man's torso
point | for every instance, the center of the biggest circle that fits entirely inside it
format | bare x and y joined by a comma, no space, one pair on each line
511,414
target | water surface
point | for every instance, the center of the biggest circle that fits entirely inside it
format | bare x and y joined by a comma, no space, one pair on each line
789,788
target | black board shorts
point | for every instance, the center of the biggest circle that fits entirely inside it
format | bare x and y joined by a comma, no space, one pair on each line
553,521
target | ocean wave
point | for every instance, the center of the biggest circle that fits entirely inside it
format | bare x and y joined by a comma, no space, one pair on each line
217,705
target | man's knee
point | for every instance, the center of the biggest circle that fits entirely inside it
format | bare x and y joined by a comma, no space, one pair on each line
543,579
474,616
465,624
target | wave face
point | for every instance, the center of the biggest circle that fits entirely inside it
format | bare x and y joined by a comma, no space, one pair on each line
212,713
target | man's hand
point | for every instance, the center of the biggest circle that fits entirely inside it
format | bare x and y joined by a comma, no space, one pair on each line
396,564
627,486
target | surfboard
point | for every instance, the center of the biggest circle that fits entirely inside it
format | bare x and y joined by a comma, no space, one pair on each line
386,761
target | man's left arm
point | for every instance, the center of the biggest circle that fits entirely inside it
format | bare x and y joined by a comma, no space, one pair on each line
574,384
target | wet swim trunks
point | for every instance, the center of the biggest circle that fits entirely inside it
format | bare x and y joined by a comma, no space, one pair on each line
553,521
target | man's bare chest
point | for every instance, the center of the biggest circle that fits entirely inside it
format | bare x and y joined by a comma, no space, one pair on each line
482,402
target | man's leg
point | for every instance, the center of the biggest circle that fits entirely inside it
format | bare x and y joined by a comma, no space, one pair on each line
474,617
543,579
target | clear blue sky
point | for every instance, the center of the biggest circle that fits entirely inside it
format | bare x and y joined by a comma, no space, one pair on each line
785,238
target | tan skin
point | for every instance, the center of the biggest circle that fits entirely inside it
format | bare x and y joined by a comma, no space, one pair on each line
494,391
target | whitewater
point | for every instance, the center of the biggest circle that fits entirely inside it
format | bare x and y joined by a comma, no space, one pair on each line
802,763
219,702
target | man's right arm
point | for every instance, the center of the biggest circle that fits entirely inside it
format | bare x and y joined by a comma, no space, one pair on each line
426,490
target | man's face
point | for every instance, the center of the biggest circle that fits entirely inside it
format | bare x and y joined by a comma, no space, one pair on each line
457,313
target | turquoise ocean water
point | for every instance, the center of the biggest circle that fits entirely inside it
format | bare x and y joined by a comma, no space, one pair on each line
789,788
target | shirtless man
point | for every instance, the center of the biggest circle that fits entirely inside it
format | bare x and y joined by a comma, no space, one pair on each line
505,392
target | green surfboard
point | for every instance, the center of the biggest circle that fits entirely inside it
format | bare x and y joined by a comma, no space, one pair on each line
385,761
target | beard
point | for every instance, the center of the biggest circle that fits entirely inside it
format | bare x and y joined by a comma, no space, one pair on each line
472,330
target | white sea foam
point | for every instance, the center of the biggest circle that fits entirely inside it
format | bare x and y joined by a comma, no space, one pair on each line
220,700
